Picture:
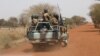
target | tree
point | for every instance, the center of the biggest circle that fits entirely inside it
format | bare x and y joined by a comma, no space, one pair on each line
36,9
69,22
2,22
78,20
12,22
23,21
95,14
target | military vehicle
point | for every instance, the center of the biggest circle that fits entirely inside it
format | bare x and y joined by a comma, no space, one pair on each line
44,32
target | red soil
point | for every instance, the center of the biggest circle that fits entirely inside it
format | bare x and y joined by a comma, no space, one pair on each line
83,41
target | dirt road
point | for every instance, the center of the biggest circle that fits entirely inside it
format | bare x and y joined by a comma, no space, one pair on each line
83,41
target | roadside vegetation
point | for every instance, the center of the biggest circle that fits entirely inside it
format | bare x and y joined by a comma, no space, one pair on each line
8,36
95,14
75,21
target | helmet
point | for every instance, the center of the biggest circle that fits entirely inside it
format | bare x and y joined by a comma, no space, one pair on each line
45,10
35,16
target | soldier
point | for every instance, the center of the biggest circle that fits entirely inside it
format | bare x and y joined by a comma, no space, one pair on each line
46,16
54,19
63,29
34,19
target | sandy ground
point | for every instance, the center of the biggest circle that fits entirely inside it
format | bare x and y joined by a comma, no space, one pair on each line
83,41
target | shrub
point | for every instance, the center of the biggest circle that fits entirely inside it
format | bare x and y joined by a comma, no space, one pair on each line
5,41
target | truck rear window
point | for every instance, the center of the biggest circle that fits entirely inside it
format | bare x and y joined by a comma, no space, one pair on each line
43,25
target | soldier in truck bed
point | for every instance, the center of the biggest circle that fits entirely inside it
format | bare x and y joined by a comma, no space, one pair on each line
34,19
46,16
54,19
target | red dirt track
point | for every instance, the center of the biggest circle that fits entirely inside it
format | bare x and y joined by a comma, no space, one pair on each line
83,41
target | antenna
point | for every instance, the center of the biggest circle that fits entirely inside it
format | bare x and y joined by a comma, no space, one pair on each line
58,10
60,17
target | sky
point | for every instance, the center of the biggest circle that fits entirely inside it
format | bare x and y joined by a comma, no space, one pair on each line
68,8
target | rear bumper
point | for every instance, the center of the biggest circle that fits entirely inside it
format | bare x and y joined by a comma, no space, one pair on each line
45,41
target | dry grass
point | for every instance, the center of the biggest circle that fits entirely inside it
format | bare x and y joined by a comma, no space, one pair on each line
9,35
